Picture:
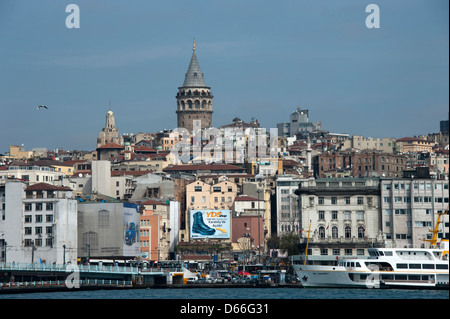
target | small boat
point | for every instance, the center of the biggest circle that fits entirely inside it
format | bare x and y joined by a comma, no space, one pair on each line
413,268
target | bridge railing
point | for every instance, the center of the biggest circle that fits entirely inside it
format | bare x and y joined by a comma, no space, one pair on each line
81,268
62,283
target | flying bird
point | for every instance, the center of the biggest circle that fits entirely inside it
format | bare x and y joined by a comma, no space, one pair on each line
42,106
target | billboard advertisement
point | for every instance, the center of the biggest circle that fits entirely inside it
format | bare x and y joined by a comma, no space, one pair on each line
131,221
210,224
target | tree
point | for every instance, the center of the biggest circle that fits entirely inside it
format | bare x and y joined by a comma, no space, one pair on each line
273,242
289,243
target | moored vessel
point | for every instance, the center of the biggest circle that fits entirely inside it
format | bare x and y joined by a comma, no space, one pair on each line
426,268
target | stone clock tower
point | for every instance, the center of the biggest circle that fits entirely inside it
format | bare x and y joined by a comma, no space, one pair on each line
194,98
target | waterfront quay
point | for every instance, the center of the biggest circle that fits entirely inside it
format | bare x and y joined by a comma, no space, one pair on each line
34,277
24,277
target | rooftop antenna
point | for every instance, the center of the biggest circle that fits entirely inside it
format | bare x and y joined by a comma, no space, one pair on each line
193,45
110,104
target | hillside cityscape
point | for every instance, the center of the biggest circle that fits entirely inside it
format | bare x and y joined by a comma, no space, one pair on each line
238,193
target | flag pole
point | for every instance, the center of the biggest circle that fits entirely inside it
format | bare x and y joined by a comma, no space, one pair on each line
307,242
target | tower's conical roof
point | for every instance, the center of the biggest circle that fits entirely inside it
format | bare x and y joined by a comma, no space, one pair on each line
194,75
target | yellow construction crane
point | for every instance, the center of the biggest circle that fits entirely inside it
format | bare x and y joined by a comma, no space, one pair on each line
433,239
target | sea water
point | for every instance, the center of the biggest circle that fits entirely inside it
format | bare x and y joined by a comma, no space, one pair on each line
236,293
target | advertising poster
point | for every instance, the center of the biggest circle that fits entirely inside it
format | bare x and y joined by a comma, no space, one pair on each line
131,221
210,224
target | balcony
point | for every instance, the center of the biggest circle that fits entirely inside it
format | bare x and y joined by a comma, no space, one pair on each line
44,195
341,242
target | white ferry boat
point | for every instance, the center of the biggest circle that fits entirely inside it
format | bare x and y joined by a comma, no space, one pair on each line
414,268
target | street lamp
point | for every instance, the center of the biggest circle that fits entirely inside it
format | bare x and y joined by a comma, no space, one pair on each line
259,227
33,248
259,177
5,244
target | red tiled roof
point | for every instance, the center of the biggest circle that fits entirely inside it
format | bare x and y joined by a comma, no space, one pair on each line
228,175
197,167
45,186
138,148
111,145
130,173
152,202
82,172
291,163
49,162
245,198
407,139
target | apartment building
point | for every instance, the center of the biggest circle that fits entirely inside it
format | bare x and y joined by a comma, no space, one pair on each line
159,229
31,173
343,215
108,230
409,207
361,163
38,223
200,195
287,216
385,144
415,145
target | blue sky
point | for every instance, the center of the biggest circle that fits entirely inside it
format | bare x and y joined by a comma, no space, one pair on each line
261,59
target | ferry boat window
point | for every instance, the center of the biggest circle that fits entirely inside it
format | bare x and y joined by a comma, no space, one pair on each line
402,266
388,253
401,277
414,277
357,264
428,266
415,266
438,266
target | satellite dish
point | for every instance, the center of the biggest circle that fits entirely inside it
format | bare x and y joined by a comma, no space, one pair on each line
260,177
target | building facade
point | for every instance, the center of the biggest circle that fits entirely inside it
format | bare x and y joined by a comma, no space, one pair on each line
298,124
31,173
200,195
385,144
108,230
38,224
194,98
287,204
159,229
360,163
415,145
409,207
342,215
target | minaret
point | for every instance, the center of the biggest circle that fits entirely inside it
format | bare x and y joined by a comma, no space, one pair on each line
308,155
194,98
